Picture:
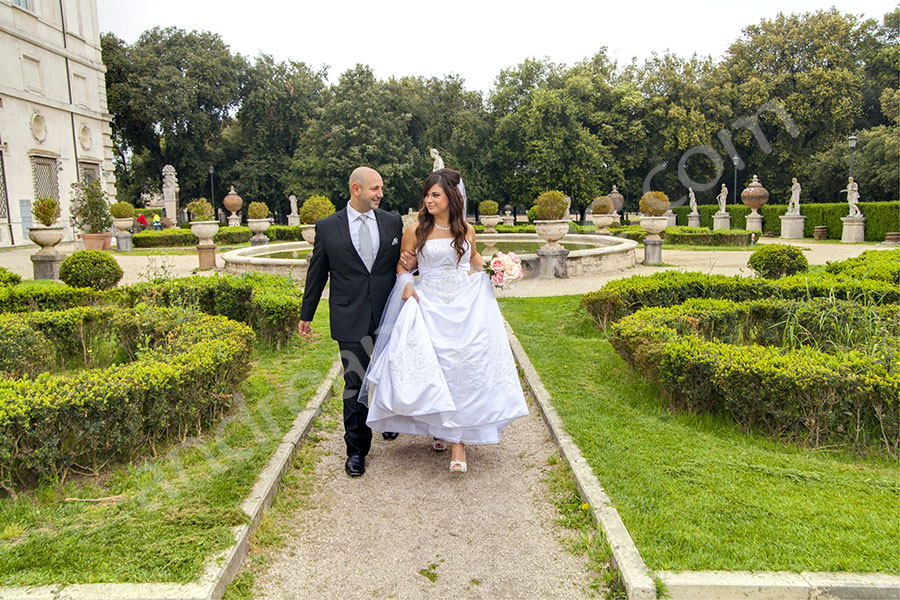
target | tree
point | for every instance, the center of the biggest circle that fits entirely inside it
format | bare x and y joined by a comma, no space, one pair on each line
170,94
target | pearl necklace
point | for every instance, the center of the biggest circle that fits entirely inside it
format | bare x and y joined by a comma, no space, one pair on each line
442,228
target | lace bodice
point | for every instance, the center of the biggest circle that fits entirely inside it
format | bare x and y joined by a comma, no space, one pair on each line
439,273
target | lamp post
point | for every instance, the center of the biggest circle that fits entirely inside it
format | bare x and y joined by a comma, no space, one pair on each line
735,159
212,190
852,141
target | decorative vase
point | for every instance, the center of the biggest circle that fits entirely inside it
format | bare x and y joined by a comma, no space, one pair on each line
46,237
205,230
258,226
309,233
233,203
551,231
123,224
95,241
489,222
602,221
618,200
654,225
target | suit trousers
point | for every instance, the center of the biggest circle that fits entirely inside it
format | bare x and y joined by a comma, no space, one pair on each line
355,360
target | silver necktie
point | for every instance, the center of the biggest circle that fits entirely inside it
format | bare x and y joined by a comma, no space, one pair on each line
366,253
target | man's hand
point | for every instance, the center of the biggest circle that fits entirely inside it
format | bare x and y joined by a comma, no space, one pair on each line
409,261
304,328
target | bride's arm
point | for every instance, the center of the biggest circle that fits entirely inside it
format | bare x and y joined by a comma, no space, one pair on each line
476,261
407,248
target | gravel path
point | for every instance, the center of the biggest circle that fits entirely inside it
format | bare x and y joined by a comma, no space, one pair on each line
489,533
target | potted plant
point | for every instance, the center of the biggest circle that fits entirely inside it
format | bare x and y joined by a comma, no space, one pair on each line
489,217
46,210
602,209
258,222
653,213
550,209
123,215
315,208
90,211
202,223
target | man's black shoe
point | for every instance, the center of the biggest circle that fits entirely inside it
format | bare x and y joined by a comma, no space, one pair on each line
355,466
390,435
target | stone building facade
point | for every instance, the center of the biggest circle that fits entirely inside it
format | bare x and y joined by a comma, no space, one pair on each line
54,124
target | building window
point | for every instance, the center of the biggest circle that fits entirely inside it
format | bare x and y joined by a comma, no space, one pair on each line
45,174
26,4
88,172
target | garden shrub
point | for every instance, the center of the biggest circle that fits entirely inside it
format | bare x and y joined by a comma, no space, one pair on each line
551,205
121,210
188,366
622,297
531,213
488,207
164,238
284,233
883,265
602,205
501,228
90,268
630,232
44,295
46,210
8,278
654,204
23,351
200,209
233,235
773,261
701,236
257,210
315,208
836,382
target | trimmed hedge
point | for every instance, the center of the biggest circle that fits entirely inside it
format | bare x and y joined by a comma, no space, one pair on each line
169,238
189,366
621,297
881,217
268,303
45,295
883,265
90,268
847,395
701,236
773,261
8,278
150,238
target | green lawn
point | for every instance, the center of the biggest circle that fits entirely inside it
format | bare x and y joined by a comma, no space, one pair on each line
694,491
172,511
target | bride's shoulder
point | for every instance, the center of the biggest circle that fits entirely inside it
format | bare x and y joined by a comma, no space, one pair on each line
470,230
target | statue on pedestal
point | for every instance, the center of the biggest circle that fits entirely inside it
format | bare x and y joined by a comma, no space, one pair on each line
852,192
293,200
794,202
722,198
438,161
693,201
170,192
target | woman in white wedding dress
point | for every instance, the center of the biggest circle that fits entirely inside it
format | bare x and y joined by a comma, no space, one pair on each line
442,365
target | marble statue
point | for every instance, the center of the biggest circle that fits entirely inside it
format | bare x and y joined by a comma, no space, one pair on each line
852,197
794,202
438,161
722,198
293,200
170,192
693,201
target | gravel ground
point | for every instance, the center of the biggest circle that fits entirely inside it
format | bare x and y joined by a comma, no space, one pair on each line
490,532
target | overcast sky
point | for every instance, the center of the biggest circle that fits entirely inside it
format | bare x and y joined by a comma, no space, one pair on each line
473,39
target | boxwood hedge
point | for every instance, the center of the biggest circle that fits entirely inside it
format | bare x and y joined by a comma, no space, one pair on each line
837,382
883,265
187,365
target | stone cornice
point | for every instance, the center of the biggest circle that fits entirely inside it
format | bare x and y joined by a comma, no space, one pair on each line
58,50
33,98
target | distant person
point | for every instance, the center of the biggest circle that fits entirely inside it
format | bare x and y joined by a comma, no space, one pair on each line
157,222
142,221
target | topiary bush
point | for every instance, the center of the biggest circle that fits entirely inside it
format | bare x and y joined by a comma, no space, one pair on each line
551,206
8,278
257,210
90,268
122,210
201,210
773,261
654,204
488,207
602,205
315,208
531,213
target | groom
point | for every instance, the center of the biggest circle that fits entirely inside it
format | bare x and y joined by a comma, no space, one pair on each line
358,247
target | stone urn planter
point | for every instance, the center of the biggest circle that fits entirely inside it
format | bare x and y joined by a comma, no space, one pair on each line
258,226
205,230
754,196
123,224
551,232
603,221
233,203
309,233
654,226
46,237
489,222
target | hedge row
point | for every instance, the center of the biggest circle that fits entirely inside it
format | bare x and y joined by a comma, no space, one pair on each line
622,297
45,295
881,217
883,265
8,278
847,396
189,365
268,303
180,237
701,236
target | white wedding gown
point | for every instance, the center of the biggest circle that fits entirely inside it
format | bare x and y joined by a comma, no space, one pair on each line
445,369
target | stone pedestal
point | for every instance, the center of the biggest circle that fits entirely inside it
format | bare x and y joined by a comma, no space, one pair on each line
46,266
123,241
234,221
854,230
721,221
293,220
207,255
259,240
693,220
792,226
652,252
754,221
672,219
553,263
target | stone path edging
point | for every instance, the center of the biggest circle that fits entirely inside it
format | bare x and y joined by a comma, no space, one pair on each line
222,568
690,585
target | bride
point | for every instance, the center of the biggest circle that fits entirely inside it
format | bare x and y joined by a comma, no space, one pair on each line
442,365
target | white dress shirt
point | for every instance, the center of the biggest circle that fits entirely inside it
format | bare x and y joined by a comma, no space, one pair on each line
357,219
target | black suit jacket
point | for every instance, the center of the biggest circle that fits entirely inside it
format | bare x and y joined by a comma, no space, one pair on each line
357,296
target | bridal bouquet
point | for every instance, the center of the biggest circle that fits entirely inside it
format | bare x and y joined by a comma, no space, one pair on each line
504,269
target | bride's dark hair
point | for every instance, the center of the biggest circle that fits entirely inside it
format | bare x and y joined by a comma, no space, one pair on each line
448,179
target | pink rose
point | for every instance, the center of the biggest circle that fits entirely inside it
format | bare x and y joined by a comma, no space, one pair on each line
497,264
515,258
498,279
